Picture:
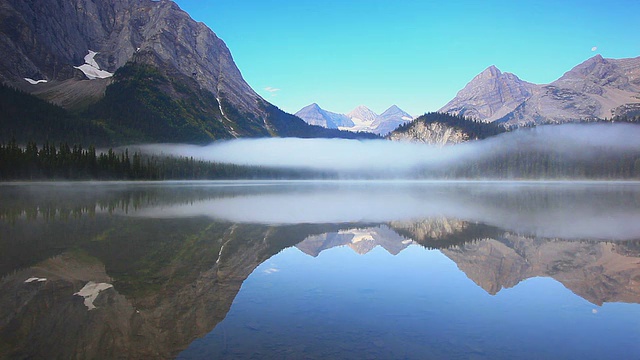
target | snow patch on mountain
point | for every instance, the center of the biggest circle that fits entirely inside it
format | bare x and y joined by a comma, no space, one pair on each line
91,291
91,69
35,82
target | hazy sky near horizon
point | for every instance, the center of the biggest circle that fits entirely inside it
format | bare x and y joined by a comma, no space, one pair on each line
415,54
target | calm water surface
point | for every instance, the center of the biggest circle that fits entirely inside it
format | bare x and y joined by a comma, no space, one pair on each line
320,270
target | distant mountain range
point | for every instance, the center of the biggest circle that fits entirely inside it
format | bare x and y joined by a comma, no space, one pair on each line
360,119
596,89
128,71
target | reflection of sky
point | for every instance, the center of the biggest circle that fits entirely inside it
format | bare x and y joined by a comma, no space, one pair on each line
607,212
409,306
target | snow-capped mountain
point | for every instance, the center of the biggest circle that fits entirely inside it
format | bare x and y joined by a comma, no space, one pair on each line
597,88
359,119
390,120
314,115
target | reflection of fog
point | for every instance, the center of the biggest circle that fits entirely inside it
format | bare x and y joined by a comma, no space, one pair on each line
563,210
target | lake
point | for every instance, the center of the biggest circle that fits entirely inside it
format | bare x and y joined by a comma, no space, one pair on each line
320,270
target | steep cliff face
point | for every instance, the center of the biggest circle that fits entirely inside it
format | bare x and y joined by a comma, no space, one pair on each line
46,40
433,133
70,52
444,129
597,88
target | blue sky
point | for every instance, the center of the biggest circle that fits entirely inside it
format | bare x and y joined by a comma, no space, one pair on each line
415,54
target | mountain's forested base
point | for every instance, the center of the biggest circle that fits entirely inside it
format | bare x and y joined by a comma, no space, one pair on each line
144,104
24,117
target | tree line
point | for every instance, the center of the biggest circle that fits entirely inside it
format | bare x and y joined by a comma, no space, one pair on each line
542,165
65,162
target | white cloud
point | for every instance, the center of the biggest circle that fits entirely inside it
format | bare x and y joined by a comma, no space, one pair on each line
273,91
594,48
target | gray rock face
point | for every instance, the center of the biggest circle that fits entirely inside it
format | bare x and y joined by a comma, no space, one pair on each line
597,88
433,133
490,96
45,39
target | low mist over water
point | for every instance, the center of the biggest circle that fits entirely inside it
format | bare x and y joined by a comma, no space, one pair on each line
569,142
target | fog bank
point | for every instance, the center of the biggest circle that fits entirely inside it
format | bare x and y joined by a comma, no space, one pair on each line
575,141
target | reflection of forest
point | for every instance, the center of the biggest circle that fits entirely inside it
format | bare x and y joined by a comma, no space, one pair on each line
175,278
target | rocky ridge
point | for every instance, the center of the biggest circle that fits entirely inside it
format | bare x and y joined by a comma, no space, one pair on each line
596,89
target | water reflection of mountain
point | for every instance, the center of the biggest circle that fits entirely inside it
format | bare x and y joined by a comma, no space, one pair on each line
175,274
596,271
496,259
361,240
173,281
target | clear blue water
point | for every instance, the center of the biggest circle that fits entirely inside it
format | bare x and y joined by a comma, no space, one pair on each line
321,270
415,305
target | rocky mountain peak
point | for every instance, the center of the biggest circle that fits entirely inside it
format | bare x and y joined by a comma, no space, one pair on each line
489,73
393,109
596,88
313,114
593,75
489,96
362,113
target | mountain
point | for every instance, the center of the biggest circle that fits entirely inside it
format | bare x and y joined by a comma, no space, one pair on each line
314,115
390,119
599,272
444,129
596,89
491,95
360,240
143,70
360,119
